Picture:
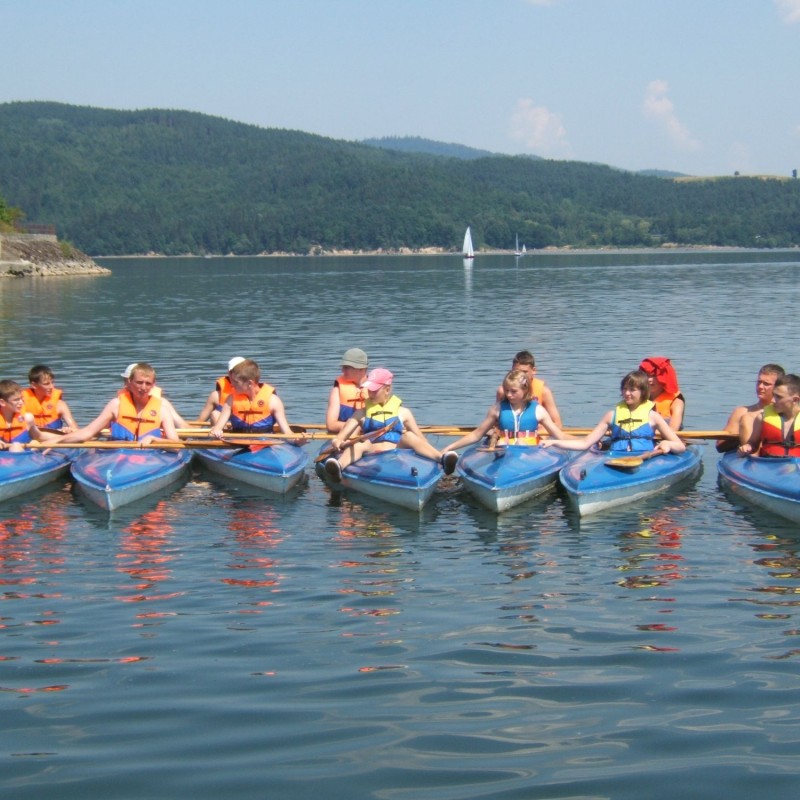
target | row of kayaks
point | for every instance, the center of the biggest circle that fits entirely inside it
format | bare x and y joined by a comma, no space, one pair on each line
499,478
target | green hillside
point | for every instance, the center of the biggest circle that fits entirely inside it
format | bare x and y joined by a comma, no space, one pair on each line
123,182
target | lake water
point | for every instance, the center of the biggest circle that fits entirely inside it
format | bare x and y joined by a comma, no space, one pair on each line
215,642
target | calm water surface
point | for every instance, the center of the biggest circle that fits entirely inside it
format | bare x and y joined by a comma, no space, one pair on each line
215,642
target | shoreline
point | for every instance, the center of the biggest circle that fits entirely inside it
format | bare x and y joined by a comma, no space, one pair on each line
433,251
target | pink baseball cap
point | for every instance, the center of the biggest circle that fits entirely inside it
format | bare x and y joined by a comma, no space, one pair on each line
377,378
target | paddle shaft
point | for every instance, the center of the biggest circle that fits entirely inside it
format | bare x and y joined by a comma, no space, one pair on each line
329,451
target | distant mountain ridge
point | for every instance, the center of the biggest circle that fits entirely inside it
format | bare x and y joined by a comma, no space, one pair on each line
416,144
173,182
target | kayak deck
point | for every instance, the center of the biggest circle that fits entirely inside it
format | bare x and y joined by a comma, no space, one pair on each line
593,485
115,478
399,476
770,483
507,476
276,469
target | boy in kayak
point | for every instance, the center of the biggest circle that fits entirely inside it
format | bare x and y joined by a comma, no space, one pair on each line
743,415
43,400
539,390
633,424
134,414
222,388
385,424
253,407
17,427
177,419
776,428
347,395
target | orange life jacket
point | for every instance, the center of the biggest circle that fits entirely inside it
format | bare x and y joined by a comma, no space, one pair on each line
16,430
352,398
664,404
224,388
45,412
255,414
131,425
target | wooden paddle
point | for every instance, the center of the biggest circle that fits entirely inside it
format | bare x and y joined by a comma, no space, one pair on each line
329,451
631,462
156,444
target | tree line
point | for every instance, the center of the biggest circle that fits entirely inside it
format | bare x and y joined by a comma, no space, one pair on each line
174,182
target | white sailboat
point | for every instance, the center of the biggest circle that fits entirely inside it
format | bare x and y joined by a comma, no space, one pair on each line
468,252
517,251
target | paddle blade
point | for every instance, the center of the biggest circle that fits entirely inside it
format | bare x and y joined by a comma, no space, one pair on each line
625,462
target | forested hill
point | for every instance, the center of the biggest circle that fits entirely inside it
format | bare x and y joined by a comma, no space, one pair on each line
123,182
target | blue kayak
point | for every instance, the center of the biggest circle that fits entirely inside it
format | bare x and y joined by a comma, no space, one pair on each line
29,470
276,469
507,476
114,478
594,485
771,483
398,476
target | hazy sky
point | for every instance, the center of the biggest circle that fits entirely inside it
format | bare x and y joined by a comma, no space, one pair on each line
705,87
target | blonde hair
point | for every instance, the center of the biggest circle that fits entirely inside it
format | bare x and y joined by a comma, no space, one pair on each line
518,379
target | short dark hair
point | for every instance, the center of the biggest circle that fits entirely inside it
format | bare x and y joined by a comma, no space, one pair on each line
790,381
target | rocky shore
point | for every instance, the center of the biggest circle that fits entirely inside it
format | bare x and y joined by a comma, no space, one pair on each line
25,256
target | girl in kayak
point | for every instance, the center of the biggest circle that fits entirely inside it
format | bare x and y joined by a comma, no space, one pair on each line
632,423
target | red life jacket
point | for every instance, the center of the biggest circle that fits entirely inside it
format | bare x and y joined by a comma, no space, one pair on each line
772,441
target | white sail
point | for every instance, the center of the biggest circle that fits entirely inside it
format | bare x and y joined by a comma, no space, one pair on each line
517,251
524,250
468,251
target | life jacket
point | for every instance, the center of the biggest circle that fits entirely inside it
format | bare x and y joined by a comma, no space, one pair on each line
518,428
130,425
16,430
352,398
45,412
772,441
537,389
253,415
631,431
224,388
664,403
377,416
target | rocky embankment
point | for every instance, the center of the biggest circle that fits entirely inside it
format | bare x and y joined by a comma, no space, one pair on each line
41,256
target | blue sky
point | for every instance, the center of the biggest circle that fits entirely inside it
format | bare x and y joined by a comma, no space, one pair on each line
697,86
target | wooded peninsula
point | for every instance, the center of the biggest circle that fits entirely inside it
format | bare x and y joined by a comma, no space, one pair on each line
179,182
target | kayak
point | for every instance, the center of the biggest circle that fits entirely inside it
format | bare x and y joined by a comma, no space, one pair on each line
28,470
594,485
398,476
507,476
115,478
771,483
276,469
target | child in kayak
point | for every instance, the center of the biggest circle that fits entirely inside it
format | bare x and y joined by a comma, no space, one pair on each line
516,417
347,395
17,427
43,400
633,424
539,390
384,412
664,391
